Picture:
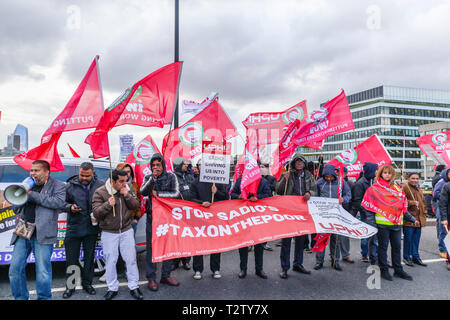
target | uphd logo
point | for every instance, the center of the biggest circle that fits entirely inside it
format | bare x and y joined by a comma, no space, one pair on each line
191,134
347,157
439,138
216,147
292,115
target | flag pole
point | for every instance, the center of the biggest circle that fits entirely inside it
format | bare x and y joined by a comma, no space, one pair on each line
103,105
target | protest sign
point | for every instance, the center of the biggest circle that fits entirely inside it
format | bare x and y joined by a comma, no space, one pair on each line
215,162
183,229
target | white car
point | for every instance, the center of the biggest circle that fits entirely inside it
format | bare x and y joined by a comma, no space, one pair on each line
11,173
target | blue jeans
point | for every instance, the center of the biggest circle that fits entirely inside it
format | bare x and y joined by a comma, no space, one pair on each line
17,275
369,244
441,233
411,241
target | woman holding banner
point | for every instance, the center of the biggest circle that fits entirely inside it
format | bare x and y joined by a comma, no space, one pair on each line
388,203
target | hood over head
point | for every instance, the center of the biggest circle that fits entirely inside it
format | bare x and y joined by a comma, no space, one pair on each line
121,166
178,164
159,157
370,169
444,174
329,170
297,156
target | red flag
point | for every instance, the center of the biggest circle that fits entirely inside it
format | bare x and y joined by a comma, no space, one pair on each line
141,156
285,149
84,109
433,145
251,175
445,155
239,167
321,240
186,141
158,90
370,150
74,153
46,151
332,118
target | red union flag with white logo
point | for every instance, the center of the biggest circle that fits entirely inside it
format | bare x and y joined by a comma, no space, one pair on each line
251,174
141,156
184,229
332,118
271,126
434,145
210,124
370,150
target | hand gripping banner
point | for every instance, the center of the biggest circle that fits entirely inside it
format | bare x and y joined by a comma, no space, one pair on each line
183,229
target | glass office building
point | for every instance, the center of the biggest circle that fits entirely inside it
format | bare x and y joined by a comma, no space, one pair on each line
394,114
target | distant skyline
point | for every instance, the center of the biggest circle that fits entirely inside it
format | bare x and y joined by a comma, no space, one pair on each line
259,55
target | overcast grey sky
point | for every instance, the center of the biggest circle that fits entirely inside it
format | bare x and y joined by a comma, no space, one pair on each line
260,55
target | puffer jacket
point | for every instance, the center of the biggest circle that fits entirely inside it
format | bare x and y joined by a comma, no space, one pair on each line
263,190
79,224
185,179
444,202
166,185
308,183
419,212
124,208
438,187
327,189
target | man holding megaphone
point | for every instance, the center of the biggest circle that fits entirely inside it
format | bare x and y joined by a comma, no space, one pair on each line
43,201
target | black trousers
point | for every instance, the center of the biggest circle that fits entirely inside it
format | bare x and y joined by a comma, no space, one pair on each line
183,260
214,262
259,251
394,236
73,246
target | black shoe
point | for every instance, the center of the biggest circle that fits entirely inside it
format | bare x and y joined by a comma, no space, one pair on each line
301,269
261,274
402,274
175,265
419,262
250,248
318,266
283,274
408,262
186,266
68,293
89,289
137,294
242,274
386,275
110,295
336,266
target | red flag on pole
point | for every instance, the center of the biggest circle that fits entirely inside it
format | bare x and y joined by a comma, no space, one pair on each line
158,89
332,118
186,141
74,153
251,175
370,150
46,151
84,109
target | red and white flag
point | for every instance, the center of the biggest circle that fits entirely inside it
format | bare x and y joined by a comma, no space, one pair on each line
370,150
332,118
211,124
157,92
433,145
84,109
140,157
251,175
285,150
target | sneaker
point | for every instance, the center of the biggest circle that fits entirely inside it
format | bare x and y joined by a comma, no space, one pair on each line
408,262
443,255
217,275
197,275
102,278
318,266
364,258
267,247
283,274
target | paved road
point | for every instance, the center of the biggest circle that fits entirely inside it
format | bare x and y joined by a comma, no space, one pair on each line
429,283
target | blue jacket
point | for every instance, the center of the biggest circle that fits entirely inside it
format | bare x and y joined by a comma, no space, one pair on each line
264,190
438,187
327,189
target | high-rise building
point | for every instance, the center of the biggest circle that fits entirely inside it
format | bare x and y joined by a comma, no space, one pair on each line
19,139
394,114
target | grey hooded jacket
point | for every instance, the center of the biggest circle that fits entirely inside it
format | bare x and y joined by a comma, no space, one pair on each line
294,187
